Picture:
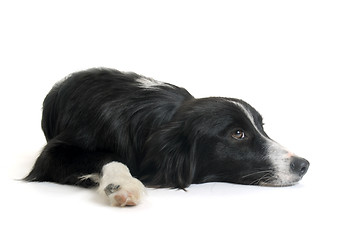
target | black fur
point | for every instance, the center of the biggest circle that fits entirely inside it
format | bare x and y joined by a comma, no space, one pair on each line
165,136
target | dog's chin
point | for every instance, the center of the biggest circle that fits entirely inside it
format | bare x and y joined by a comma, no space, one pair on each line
277,184
281,180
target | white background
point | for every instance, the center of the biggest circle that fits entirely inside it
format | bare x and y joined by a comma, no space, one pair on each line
297,62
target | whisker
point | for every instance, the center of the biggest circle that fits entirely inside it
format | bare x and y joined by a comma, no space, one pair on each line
258,172
257,181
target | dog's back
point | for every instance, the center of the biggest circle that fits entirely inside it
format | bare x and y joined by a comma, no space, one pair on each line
105,100
105,110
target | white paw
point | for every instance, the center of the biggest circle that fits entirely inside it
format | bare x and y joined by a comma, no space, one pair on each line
124,196
119,186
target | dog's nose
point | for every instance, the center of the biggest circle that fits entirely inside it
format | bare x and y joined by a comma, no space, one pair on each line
299,166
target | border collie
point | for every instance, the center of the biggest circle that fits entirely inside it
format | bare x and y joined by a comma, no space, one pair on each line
120,131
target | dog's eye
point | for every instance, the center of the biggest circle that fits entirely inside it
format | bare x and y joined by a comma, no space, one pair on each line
238,135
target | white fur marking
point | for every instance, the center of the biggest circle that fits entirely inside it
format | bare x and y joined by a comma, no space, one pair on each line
247,113
280,159
131,190
150,83
92,177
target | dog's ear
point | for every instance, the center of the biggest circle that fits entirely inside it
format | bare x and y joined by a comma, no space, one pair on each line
170,159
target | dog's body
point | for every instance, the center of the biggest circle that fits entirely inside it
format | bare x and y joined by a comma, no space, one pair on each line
99,120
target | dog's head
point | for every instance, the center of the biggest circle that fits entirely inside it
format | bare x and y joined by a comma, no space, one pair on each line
219,139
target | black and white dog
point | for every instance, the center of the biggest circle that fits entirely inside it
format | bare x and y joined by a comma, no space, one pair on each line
102,124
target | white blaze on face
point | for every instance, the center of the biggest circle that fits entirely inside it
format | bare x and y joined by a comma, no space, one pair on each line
278,155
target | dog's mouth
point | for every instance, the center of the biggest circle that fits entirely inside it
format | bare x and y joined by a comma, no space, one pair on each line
286,171
270,178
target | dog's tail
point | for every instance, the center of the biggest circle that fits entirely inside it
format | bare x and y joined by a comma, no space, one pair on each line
31,177
38,172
